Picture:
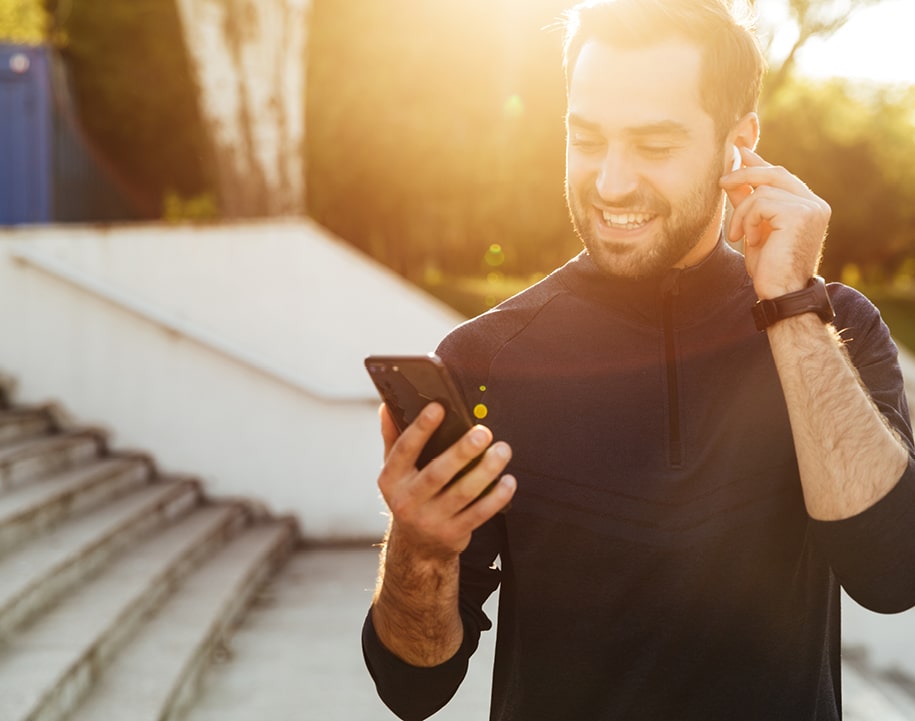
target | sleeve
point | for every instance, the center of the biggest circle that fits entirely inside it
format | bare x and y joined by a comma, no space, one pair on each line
873,553
413,692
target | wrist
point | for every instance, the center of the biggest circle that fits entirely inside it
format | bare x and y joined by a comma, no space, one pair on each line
417,551
812,298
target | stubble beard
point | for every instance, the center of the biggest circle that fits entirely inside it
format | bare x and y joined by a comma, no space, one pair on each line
681,228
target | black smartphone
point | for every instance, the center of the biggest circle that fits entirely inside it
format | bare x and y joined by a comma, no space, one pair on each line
407,384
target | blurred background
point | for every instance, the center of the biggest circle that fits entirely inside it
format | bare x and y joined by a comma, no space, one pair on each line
434,138
212,210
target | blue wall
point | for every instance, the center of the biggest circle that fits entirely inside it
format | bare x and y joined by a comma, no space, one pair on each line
49,170
25,136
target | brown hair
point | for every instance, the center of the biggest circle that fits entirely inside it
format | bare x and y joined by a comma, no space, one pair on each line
732,62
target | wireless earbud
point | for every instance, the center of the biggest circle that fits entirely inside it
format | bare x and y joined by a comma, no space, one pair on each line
738,161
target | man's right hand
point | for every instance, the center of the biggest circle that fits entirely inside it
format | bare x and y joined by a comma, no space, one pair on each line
436,521
415,611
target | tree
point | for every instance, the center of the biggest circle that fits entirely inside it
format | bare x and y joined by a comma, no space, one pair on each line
853,146
249,63
22,21
809,19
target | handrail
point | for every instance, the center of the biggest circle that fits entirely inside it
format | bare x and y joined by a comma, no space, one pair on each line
185,329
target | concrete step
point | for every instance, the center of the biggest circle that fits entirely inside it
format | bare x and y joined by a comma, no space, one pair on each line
35,458
47,667
21,423
40,571
871,696
34,508
297,655
103,561
154,678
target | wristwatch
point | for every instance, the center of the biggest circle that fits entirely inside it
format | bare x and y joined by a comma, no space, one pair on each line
812,299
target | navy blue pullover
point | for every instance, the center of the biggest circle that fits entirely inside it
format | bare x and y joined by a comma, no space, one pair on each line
658,561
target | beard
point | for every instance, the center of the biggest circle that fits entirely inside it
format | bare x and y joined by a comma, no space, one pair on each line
682,226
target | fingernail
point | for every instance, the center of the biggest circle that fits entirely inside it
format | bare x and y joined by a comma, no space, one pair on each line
479,437
432,411
501,450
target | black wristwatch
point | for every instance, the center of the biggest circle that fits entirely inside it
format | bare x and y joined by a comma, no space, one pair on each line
812,299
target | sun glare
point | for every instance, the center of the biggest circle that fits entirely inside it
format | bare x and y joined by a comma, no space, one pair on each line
876,45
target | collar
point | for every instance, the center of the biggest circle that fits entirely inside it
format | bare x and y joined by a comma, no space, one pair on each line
694,292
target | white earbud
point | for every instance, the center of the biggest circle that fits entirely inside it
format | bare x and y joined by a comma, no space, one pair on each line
738,161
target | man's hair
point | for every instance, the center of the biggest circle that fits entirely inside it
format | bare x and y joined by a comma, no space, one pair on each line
732,62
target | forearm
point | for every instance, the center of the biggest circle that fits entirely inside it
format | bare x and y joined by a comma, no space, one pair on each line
415,611
848,456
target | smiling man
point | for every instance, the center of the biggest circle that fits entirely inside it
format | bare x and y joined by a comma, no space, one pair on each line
697,461
638,142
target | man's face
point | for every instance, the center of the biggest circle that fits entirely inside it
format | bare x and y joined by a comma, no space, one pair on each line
642,162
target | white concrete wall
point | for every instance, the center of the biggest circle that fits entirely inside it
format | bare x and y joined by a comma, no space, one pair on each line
284,295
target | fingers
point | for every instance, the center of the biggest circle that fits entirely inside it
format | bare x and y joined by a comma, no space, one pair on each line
402,449
389,431
734,185
400,476
783,221
767,197
441,504
463,488
768,210
757,173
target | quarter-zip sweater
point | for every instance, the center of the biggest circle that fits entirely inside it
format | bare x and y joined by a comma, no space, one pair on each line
657,561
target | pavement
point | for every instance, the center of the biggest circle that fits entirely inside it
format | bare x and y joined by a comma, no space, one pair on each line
310,622
298,655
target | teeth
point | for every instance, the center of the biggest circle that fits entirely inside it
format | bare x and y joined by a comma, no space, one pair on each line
629,221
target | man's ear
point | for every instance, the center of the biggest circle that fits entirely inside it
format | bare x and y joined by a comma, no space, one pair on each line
745,133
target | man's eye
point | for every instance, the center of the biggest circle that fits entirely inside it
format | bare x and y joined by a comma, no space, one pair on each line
587,142
656,152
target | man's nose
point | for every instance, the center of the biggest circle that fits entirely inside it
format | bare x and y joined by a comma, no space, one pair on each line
616,177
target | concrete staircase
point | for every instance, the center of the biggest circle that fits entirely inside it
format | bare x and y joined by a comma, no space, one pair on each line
125,595
116,582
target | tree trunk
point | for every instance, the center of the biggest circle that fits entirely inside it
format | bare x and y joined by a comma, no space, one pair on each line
249,60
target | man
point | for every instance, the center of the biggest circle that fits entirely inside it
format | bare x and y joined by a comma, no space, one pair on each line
687,493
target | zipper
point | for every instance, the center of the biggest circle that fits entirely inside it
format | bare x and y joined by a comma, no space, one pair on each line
671,289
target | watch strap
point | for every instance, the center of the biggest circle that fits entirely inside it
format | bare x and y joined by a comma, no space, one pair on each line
811,299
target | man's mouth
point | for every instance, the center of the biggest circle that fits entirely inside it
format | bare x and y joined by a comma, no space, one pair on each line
626,221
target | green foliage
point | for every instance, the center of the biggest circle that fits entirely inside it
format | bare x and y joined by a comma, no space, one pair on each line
855,147
22,21
135,93
200,207
898,311
435,130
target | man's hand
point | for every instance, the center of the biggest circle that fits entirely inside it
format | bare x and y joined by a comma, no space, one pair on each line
437,521
783,221
415,611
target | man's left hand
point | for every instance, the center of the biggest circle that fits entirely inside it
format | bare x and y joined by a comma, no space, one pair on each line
784,224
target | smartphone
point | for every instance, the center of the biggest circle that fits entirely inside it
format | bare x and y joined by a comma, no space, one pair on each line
407,384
